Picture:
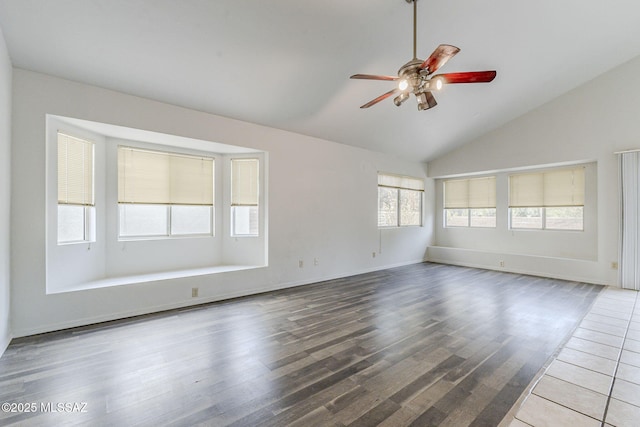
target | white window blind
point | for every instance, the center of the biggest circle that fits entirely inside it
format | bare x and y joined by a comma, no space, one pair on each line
75,171
556,188
163,178
471,193
244,182
398,181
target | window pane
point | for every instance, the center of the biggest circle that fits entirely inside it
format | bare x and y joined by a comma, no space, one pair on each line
565,218
387,207
71,225
526,218
483,217
410,207
456,217
244,220
143,220
190,220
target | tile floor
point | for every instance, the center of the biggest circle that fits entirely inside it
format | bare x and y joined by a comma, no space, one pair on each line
595,378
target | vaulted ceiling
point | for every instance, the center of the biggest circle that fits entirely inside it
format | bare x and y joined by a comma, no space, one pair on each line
286,64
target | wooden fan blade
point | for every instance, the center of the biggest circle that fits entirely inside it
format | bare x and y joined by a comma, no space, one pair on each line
372,77
468,77
439,57
380,98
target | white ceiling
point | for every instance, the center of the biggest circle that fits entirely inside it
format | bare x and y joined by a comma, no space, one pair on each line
286,63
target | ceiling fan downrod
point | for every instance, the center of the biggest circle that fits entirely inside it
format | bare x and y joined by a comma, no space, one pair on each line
415,27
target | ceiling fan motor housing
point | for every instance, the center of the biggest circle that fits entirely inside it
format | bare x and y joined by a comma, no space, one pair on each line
411,73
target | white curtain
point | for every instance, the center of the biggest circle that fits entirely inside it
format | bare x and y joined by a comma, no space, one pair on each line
629,253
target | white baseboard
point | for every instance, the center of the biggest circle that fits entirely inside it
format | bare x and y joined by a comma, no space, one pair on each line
568,278
568,274
195,301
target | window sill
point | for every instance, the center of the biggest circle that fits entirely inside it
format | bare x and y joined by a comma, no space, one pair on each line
152,277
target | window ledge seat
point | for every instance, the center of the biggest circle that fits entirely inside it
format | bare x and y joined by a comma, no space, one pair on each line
150,277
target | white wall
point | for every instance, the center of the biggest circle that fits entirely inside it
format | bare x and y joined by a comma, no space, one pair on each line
589,123
5,193
322,205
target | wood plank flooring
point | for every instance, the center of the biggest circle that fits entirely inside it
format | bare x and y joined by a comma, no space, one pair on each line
421,345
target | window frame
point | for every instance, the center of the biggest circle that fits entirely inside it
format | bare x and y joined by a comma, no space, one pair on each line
168,211
401,183
466,204
168,234
469,218
543,216
581,195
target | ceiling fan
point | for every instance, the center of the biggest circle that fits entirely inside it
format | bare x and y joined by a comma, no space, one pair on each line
416,76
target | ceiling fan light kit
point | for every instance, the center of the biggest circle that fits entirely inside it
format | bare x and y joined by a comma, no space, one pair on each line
416,76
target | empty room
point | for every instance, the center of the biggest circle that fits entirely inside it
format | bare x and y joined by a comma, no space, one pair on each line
278,213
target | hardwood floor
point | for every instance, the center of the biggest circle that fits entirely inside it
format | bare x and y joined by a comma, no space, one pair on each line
422,345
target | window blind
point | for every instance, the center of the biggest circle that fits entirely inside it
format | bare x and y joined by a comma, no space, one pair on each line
399,181
75,171
471,193
244,182
555,188
163,178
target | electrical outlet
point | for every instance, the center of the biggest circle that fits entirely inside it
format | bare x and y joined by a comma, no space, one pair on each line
300,264
194,292
501,263
373,254
315,261
614,265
